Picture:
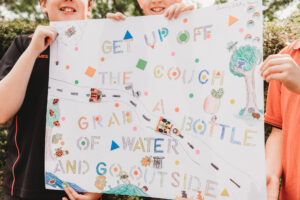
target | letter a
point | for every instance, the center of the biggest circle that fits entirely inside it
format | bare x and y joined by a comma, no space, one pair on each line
156,108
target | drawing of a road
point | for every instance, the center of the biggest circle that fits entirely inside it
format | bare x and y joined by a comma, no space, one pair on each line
208,160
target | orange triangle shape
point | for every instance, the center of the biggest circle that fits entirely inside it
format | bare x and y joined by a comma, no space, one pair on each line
232,20
225,193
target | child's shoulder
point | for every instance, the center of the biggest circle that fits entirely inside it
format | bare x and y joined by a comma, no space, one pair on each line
21,42
294,46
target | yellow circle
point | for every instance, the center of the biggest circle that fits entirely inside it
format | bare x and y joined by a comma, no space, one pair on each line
232,101
177,162
128,120
204,77
199,127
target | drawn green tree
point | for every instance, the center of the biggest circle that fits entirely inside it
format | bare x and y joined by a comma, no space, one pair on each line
242,64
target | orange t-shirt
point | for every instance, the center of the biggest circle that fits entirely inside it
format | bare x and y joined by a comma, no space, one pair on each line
283,111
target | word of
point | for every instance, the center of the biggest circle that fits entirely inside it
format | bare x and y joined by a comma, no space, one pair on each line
84,143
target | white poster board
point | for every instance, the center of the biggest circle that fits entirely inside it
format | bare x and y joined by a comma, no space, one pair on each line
159,108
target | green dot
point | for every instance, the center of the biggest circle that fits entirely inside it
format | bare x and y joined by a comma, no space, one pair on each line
191,95
196,60
183,37
163,32
83,143
76,82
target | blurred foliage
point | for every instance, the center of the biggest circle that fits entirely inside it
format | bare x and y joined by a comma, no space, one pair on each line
271,7
10,29
277,34
128,7
274,6
29,9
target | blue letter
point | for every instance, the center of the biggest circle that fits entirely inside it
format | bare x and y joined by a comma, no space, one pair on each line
157,145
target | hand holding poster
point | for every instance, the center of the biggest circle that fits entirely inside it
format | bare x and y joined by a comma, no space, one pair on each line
159,108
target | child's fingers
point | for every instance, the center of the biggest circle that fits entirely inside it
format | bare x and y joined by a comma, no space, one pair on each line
50,36
275,76
109,15
274,60
47,32
64,198
273,69
167,13
52,28
171,11
69,193
189,8
112,16
116,16
178,10
74,194
271,57
120,16
45,36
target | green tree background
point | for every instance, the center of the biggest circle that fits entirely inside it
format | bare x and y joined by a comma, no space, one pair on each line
28,9
277,34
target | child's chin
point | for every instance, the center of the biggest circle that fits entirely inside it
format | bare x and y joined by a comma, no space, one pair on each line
157,13
68,18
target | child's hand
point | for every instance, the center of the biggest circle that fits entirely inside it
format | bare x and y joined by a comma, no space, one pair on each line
273,183
43,36
73,195
283,68
177,8
116,16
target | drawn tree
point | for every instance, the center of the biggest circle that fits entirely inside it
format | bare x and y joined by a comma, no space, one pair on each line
242,64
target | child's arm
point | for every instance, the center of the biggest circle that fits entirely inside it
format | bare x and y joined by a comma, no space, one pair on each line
13,86
116,16
73,195
273,163
282,67
176,9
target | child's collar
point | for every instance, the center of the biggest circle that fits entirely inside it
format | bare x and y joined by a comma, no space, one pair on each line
297,45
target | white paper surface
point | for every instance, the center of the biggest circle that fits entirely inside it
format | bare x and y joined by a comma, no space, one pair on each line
152,107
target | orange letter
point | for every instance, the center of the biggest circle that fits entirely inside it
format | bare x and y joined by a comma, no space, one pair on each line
86,124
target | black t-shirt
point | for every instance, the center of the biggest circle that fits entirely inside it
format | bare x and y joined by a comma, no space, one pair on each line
24,175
